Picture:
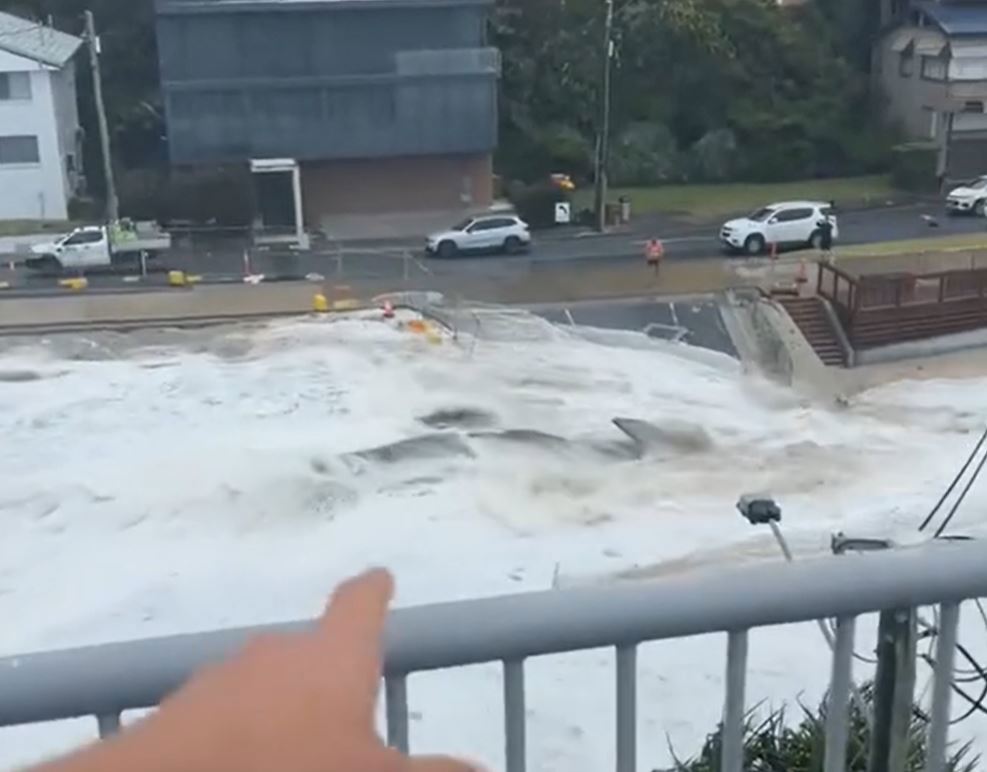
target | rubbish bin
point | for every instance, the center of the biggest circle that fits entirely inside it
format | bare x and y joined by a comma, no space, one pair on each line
625,209
611,214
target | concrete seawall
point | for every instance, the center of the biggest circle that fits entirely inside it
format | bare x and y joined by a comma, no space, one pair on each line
203,302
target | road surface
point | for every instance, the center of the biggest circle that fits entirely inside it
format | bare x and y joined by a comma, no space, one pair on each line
405,262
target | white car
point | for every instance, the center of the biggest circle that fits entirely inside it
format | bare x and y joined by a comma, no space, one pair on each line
785,224
485,233
968,198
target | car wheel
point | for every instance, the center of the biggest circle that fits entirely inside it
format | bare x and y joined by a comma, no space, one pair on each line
978,208
754,245
816,240
512,245
447,249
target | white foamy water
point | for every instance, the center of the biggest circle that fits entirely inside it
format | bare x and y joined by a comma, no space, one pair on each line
192,481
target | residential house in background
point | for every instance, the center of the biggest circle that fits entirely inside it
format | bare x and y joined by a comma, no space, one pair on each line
354,114
40,138
931,64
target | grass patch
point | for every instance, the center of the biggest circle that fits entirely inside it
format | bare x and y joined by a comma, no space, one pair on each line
32,227
705,202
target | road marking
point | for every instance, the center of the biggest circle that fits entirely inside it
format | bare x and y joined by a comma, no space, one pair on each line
678,240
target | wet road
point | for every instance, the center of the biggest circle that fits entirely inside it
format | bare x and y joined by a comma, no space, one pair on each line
405,261
697,323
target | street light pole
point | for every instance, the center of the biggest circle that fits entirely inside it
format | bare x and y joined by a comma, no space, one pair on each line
603,135
112,205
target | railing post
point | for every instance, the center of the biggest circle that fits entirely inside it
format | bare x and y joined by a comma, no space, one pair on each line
894,690
396,705
732,759
626,708
949,622
838,708
108,724
514,715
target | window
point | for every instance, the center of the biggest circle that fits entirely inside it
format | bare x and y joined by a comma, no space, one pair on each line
15,85
906,66
86,237
791,215
19,150
484,225
933,68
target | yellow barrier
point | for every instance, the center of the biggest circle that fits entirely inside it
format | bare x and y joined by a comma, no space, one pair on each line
320,303
177,278
347,304
76,284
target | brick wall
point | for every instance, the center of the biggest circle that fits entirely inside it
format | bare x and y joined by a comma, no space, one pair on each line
425,184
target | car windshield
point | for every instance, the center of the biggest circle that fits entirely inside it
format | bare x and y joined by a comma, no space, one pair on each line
463,225
761,214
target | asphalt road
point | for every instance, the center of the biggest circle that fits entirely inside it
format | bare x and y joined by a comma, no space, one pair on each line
400,262
697,323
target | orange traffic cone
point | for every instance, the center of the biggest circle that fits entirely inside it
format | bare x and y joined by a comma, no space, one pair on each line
388,309
802,276
774,251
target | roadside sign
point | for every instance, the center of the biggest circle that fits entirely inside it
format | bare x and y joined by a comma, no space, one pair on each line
563,213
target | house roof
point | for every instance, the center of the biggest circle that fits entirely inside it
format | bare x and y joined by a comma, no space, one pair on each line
36,41
956,19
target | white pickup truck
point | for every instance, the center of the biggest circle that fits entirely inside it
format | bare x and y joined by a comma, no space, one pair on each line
100,246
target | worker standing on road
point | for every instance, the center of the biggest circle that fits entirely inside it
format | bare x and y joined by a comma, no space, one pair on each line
825,226
654,253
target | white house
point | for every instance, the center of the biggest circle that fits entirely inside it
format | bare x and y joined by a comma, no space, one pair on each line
40,138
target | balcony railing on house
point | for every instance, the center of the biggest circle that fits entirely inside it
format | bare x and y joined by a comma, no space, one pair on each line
104,681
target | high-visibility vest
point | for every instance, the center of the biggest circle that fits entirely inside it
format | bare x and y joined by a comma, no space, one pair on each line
655,251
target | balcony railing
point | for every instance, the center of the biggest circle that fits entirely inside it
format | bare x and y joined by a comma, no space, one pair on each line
104,681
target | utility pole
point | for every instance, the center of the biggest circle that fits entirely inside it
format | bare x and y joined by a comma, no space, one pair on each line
112,205
603,135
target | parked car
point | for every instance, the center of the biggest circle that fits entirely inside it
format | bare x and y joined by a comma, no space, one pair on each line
785,224
968,198
486,233
100,246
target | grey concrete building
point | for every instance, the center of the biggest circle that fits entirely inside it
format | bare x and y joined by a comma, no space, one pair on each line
375,108
931,64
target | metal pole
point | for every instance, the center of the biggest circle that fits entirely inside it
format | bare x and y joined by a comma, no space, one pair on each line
894,686
603,135
112,205
732,750
838,708
949,622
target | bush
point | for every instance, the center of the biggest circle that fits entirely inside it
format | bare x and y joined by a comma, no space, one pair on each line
535,204
913,167
774,746
644,154
713,157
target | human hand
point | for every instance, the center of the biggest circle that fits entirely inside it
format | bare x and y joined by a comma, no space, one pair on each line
301,702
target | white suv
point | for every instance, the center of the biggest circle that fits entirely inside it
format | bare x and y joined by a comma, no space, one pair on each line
968,198
486,233
786,224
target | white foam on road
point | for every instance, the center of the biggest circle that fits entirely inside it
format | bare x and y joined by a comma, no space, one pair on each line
202,481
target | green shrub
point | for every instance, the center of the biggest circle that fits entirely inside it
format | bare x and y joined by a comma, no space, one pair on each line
773,745
535,204
644,154
913,166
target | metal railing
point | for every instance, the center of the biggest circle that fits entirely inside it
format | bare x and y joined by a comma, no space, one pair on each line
104,681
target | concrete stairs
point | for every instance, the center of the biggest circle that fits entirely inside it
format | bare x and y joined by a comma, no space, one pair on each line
809,314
